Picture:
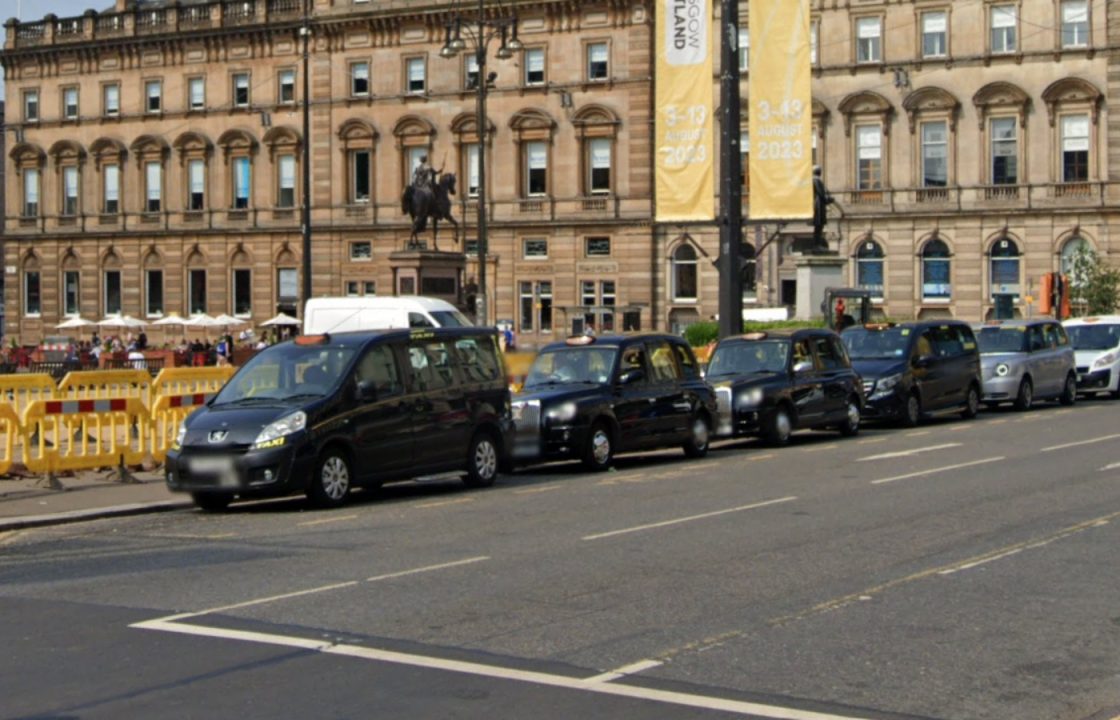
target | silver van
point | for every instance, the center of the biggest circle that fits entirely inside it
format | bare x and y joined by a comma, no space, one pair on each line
1026,360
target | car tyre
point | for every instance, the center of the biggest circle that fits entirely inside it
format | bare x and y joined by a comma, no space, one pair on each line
598,453
482,461
699,437
971,403
211,502
333,479
1069,391
850,426
912,413
779,426
1025,398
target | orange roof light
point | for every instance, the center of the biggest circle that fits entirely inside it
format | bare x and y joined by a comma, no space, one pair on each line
580,340
755,336
313,339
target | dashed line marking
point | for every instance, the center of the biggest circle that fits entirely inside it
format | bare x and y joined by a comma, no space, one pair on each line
871,441
917,433
442,503
1090,441
933,471
820,448
533,490
690,518
906,453
324,521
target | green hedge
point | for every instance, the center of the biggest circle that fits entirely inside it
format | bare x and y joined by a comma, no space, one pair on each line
701,333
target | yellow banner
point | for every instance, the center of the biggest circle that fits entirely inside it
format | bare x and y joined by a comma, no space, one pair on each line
781,115
684,177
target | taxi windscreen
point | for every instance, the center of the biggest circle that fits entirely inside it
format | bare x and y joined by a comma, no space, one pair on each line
287,371
585,365
1094,337
1007,339
741,358
876,344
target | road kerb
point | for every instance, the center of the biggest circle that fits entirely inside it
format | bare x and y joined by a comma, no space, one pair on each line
73,516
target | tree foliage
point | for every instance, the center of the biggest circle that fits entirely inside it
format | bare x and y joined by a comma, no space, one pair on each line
1094,285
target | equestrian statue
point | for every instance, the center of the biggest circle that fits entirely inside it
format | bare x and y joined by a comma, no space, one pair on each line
429,196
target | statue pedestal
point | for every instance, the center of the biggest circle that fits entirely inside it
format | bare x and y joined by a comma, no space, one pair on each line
814,274
430,273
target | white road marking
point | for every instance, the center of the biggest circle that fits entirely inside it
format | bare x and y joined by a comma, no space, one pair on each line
631,669
765,456
12,536
1090,441
1113,466
967,566
871,441
191,536
497,672
541,489
324,521
918,433
818,448
441,503
428,568
904,453
690,518
933,471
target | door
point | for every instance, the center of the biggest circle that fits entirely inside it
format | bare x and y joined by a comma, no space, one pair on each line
635,401
440,420
806,386
954,363
833,375
383,425
672,410
929,371
1050,355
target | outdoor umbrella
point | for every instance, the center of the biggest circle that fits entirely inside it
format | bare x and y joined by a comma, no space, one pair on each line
281,320
122,321
75,323
224,319
203,321
170,320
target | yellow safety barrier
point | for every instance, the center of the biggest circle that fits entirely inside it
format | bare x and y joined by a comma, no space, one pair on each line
22,390
517,367
167,412
104,384
10,429
84,434
190,380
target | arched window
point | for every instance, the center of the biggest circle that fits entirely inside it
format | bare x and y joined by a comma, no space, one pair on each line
748,273
1069,253
936,284
869,267
1005,267
684,273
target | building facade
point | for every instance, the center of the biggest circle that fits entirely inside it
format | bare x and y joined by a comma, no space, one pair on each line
155,150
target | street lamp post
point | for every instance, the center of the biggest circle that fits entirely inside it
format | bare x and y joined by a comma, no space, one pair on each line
480,33
305,210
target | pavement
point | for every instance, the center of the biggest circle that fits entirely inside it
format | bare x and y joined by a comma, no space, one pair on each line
29,501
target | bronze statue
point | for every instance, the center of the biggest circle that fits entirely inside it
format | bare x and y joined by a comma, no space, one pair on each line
822,198
429,196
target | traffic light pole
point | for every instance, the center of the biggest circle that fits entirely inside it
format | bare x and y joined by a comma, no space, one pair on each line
730,171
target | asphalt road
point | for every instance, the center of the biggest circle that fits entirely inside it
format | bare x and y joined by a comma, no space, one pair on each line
965,569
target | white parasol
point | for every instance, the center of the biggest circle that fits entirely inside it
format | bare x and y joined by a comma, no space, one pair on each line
75,322
122,321
281,320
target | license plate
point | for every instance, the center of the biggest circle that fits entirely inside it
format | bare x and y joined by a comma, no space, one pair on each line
518,411
219,467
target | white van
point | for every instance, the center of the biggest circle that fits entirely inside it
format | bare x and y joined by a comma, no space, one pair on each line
350,314
1096,346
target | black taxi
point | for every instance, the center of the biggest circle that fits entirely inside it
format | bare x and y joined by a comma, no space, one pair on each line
323,414
772,383
590,398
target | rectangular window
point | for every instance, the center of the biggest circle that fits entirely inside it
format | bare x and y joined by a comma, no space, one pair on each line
352,288
197,92
415,71
153,93
744,42
536,306
534,66
814,34
112,190
470,71
287,93
196,287
597,247
359,176
242,292
70,103
1075,23
472,170
111,99
361,251
153,177
153,292
869,155
607,298
1075,148
112,292
196,180
70,294
1004,24
535,248
359,79
599,166
869,36
287,196
935,37
31,106
587,296
528,306
241,90
31,192
1005,151
598,67
242,182
287,286
544,305
369,287
935,154
70,190
412,160
32,299
536,169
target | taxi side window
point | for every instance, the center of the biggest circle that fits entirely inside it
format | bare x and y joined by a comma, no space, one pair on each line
477,360
947,342
1036,339
801,352
663,366
826,354
633,358
378,366
1050,336
431,366
924,346
1063,339
417,320
840,351
687,362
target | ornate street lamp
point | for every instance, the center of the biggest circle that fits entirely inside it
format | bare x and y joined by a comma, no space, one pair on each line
480,32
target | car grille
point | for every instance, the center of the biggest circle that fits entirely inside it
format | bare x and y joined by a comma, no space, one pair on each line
723,407
527,428
1081,370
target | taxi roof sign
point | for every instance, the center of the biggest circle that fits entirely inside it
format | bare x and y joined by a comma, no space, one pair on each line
755,336
323,339
878,326
579,340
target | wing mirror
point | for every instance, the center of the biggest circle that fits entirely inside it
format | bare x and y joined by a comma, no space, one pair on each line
367,391
631,376
923,362
802,367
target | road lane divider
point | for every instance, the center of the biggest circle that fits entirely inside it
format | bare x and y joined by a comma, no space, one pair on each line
619,673
326,520
690,518
1078,443
905,453
442,503
934,471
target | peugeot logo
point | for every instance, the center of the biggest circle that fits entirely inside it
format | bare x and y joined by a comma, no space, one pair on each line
217,436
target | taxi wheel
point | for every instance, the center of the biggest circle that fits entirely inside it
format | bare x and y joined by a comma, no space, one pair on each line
482,461
779,426
1069,391
699,437
971,403
913,412
850,426
1025,398
332,479
599,451
211,502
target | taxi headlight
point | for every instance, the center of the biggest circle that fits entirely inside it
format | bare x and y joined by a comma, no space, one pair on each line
750,398
563,412
282,428
181,435
1104,361
887,384
1002,369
